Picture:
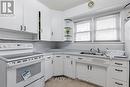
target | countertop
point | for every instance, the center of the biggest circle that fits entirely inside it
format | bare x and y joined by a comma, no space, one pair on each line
77,53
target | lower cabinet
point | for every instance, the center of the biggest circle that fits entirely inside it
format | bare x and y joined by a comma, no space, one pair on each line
92,74
69,66
58,64
119,73
48,67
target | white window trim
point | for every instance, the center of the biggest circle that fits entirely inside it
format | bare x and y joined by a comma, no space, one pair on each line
93,30
75,30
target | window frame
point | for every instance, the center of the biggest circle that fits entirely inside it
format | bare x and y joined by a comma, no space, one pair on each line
117,15
93,28
85,21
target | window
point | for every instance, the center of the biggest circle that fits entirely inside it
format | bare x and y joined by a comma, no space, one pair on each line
104,28
83,31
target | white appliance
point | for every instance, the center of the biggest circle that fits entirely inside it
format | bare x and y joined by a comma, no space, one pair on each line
20,66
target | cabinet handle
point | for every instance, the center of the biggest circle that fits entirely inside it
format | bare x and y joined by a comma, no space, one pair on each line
21,27
25,27
67,56
58,56
71,62
52,62
118,83
48,57
91,67
80,58
118,63
88,67
52,33
118,70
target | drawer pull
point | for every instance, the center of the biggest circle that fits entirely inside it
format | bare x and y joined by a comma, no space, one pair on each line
118,83
118,70
71,62
67,56
58,56
118,63
48,57
80,58
52,62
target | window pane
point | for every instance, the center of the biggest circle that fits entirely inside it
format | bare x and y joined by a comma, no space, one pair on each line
106,35
81,27
83,36
107,22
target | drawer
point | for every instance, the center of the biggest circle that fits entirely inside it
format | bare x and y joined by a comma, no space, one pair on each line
119,73
120,63
117,83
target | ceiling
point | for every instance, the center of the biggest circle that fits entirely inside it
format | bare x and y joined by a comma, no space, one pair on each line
62,4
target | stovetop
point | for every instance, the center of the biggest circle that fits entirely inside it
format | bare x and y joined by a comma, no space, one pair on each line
15,56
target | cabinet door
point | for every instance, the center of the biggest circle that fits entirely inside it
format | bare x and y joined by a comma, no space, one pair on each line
15,21
45,24
58,65
82,71
57,26
97,75
69,67
31,16
48,68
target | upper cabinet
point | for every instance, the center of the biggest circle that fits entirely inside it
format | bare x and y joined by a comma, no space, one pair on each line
15,21
30,16
45,23
57,25
51,25
25,17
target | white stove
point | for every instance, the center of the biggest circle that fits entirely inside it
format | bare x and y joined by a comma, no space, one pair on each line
17,59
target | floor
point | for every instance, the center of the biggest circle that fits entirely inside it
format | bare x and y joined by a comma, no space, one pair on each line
66,82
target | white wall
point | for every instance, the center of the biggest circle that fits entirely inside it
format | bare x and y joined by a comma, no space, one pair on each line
43,46
100,5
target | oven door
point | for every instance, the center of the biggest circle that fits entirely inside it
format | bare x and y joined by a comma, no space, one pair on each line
19,77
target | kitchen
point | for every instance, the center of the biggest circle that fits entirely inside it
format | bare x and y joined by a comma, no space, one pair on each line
64,43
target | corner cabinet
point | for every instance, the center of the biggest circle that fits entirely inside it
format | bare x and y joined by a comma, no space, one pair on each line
57,25
69,66
58,64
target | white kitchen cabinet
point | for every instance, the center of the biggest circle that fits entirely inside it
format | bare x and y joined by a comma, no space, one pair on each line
25,17
13,22
48,67
58,64
91,73
119,73
57,26
46,32
98,75
30,16
69,66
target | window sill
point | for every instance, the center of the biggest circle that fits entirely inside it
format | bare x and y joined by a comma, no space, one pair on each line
88,42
